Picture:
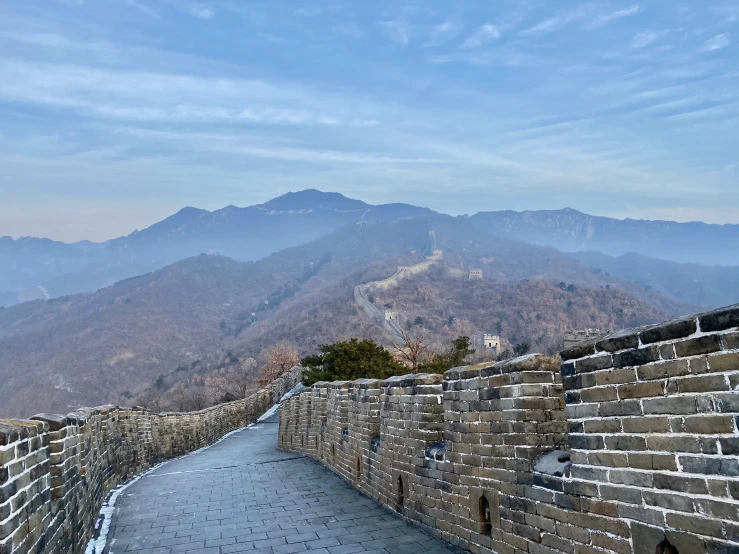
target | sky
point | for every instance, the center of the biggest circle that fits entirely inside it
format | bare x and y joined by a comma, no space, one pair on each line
117,113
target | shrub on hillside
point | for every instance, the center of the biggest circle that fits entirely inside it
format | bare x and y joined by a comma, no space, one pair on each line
454,356
349,360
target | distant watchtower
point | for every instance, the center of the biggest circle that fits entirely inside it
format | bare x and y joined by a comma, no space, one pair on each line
486,343
475,274
391,315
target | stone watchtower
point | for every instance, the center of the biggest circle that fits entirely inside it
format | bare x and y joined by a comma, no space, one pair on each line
475,274
486,343
391,315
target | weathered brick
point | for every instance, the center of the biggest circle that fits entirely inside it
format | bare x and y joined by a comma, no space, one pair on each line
710,466
618,341
594,363
669,331
662,370
626,442
646,425
709,424
620,408
641,390
673,444
701,383
693,524
615,377
598,394
655,462
731,341
580,350
696,346
730,446
721,319
636,357
585,442
724,362
680,483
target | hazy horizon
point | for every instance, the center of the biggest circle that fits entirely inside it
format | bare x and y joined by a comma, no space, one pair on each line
420,204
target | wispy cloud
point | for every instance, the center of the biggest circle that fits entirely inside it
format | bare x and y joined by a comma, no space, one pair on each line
482,35
604,19
645,38
162,97
588,15
143,8
398,30
203,11
590,105
443,33
50,40
505,56
716,43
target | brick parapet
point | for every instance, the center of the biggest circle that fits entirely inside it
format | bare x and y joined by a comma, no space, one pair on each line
647,417
56,471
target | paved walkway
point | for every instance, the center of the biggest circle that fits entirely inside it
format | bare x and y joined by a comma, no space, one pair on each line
243,495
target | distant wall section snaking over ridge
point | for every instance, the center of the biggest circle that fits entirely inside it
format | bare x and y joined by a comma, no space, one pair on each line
630,445
56,471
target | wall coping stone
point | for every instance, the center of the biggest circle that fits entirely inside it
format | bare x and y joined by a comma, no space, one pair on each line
721,319
413,379
54,421
528,362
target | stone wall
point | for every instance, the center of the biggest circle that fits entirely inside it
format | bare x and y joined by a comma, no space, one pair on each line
628,445
56,471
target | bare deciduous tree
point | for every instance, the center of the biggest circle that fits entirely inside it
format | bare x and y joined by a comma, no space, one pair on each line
235,383
151,399
413,349
279,358
188,398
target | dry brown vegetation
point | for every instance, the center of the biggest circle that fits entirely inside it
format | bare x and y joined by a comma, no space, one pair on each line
157,339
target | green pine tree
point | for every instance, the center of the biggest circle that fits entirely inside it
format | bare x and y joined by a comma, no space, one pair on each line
350,360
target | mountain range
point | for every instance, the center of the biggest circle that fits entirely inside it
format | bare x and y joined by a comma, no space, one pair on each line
40,268
35,268
193,295
569,230
192,317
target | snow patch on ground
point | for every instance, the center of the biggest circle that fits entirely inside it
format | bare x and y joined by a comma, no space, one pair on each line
102,525
300,387
269,413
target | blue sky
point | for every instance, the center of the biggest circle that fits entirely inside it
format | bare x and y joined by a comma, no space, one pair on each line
116,113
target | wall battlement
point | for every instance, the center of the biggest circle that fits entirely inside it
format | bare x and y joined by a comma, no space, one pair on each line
642,425
56,471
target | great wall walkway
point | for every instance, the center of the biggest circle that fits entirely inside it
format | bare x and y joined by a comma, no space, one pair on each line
243,495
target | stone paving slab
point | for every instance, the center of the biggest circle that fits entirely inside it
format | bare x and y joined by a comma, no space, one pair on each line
243,495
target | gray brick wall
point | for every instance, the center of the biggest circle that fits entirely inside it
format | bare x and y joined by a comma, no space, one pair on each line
55,471
648,417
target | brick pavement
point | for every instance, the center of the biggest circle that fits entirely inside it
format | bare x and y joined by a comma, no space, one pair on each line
243,495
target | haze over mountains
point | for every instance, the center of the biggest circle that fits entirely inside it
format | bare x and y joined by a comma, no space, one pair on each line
32,268
572,231
199,291
192,317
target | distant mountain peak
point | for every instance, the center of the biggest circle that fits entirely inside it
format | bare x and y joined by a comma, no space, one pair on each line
312,199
